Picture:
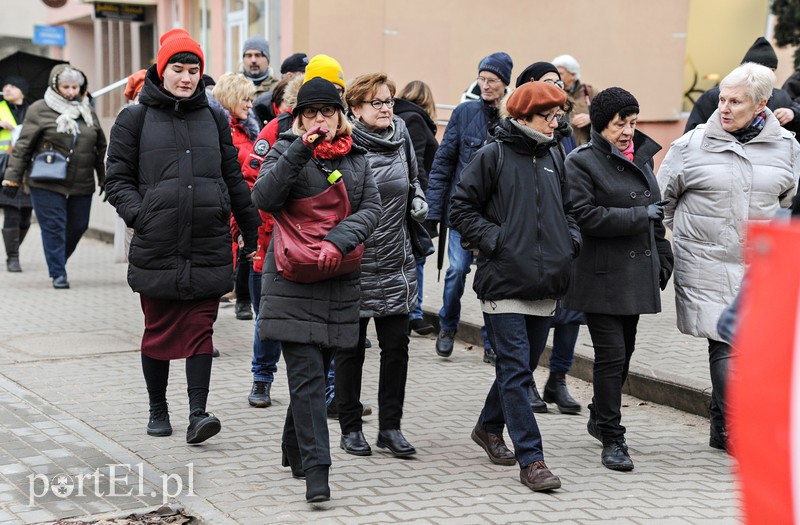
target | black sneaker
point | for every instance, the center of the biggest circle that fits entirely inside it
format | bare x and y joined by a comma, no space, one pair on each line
159,425
420,327
259,394
202,426
445,342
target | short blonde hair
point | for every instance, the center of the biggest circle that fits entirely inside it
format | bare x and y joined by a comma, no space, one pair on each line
757,80
231,88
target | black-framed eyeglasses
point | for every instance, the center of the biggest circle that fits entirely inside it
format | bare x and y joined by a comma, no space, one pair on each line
559,83
311,112
378,104
558,115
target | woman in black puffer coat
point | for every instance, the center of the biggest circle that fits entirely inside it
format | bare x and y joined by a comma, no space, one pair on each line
311,320
173,177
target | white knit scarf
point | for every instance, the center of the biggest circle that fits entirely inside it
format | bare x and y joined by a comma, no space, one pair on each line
69,111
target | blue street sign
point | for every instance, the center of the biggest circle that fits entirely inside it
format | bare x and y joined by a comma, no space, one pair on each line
49,35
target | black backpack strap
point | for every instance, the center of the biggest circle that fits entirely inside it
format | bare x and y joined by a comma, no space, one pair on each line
284,122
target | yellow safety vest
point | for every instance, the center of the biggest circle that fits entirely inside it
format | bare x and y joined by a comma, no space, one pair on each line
5,134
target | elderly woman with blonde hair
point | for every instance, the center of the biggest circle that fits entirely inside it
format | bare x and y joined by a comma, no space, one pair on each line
740,166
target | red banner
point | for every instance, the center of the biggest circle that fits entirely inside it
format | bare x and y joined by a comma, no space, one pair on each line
764,386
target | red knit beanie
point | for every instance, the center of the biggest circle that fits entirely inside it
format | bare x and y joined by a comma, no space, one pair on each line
135,84
173,42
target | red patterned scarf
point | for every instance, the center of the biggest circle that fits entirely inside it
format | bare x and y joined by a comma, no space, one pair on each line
339,147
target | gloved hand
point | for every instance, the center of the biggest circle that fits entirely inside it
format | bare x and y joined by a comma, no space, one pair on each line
655,212
10,191
419,209
329,257
663,277
314,137
103,193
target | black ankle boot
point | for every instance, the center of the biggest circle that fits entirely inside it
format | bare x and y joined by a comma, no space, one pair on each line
317,488
555,391
291,458
159,425
538,406
12,241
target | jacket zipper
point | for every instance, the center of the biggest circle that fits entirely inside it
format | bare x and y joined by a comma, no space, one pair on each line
538,214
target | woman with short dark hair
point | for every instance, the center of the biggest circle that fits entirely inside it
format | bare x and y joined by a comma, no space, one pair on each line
174,178
625,255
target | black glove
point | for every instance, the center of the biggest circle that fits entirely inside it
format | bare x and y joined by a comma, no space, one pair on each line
10,191
663,277
655,212
103,193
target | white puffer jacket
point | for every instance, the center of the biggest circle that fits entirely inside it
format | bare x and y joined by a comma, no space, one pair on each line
715,185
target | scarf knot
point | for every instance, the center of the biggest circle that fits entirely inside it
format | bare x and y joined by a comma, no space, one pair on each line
69,111
339,147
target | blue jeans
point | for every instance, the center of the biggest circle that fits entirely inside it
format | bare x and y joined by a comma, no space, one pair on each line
266,353
455,279
416,313
515,338
63,221
564,338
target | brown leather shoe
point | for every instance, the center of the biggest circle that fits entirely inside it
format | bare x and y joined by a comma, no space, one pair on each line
537,477
494,446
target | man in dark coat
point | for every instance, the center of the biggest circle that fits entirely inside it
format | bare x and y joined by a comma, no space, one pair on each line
470,125
783,107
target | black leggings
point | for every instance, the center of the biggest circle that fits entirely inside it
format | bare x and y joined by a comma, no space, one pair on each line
198,377
14,218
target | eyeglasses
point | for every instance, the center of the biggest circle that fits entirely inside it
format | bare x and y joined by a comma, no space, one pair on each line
558,83
378,104
488,81
327,111
558,115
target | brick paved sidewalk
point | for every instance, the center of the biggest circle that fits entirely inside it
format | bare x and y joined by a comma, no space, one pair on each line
72,399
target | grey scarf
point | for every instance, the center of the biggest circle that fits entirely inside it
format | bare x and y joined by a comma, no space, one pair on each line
69,111
540,138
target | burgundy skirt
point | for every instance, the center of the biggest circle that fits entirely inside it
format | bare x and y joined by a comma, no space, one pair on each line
178,329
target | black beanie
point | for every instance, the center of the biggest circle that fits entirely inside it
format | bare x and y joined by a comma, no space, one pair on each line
761,52
536,71
317,91
19,82
609,102
295,64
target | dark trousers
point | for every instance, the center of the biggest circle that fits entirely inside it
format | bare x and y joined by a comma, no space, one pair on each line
614,339
719,354
515,339
63,221
306,426
564,338
393,342
242,277
16,222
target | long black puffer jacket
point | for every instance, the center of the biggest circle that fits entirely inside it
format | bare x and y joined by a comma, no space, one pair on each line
326,312
519,216
173,177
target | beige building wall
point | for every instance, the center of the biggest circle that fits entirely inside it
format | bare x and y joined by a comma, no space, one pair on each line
442,42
